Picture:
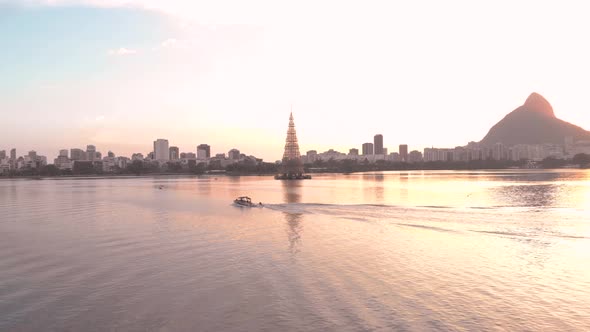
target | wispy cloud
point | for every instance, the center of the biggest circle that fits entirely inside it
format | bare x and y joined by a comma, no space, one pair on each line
173,44
168,43
122,52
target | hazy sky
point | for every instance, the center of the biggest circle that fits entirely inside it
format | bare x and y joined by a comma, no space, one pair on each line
119,74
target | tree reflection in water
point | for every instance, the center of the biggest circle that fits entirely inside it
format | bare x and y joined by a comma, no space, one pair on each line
291,195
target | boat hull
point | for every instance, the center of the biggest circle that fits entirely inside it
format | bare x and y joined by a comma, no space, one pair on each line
244,204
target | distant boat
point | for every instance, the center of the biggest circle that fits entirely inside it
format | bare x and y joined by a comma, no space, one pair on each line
245,201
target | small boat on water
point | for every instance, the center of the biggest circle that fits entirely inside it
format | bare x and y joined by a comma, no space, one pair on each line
245,201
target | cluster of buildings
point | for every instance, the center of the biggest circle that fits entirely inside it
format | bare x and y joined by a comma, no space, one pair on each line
372,152
162,157
163,154
9,162
517,152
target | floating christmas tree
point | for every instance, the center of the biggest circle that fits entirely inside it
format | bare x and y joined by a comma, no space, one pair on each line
292,166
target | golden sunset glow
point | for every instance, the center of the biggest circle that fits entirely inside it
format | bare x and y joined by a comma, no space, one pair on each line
227,73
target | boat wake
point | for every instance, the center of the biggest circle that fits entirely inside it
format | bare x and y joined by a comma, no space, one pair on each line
323,208
516,222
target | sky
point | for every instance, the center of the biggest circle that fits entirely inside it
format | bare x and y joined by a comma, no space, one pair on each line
119,74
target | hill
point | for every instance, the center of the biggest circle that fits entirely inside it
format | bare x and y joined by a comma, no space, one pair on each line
533,123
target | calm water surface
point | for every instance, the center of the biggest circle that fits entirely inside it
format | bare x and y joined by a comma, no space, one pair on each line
398,251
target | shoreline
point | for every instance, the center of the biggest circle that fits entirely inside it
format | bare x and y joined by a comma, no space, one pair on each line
270,175
117,176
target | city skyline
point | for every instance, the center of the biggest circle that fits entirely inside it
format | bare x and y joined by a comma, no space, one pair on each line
162,153
541,135
141,69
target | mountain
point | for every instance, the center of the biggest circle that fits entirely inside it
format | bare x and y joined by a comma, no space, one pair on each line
533,123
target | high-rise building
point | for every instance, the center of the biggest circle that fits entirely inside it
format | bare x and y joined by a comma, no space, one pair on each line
378,140
385,151
403,152
174,153
367,149
201,154
111,154
203,151
2,154
233,154
161,151
78,154
353,152
62,161
33,155
91,153
499,152
13,154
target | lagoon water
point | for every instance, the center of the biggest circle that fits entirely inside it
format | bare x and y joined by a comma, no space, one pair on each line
393,251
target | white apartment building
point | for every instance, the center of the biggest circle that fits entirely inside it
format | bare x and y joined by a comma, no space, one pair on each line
161,150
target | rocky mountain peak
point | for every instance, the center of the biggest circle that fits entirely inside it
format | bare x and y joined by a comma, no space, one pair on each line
536,103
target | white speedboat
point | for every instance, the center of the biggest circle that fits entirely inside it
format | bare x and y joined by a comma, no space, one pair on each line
245,201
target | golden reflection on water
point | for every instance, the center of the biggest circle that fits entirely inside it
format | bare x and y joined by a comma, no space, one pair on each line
469,189
292,194
404,191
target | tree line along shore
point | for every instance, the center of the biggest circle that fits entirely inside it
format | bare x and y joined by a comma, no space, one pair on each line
138,167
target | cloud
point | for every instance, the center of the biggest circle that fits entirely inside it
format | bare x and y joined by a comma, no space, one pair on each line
173,44
122,52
